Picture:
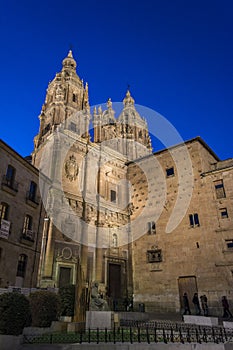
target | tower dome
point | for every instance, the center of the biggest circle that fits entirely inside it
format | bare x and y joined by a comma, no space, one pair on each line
69,62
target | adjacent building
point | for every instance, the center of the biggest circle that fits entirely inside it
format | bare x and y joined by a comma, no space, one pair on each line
21,220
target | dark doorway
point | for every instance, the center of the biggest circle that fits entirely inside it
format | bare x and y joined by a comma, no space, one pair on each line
187,284
64,276
114,281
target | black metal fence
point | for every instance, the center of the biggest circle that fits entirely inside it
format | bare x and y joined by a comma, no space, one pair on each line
151,333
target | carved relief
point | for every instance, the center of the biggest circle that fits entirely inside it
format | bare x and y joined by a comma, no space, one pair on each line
71,168
66,252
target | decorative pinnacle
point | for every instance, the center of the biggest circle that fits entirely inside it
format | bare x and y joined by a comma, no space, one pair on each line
70,54
128,100
109,103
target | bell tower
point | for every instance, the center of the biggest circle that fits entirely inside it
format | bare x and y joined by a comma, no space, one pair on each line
66,95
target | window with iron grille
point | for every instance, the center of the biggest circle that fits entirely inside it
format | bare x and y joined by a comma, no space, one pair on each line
219,189
154,255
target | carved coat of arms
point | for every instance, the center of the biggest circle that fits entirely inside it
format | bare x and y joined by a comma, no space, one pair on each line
71,168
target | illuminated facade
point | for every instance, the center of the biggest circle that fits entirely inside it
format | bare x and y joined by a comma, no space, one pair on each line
147,226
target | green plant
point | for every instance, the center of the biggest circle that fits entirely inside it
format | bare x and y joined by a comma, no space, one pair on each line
67,296
45,308
14,313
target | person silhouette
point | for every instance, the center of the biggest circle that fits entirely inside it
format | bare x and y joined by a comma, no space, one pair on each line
186,304
196,304
226,310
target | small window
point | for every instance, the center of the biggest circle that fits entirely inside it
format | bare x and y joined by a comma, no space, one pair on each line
4,210
229,243
113,196
9,178
74,98
219,189
224,213
73,126
170,172
22,263
194,220
154,255
151,228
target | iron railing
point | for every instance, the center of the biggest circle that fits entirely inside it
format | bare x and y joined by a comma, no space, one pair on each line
150,334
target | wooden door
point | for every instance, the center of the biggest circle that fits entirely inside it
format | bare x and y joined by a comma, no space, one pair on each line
114,280
187,284
64,276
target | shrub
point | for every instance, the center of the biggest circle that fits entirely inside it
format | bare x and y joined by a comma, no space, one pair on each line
45,308
14,313
67,296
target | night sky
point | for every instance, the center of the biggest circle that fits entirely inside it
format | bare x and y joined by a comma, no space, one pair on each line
176,56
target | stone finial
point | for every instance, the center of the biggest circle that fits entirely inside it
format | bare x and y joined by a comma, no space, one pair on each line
109,103
128,100
70,54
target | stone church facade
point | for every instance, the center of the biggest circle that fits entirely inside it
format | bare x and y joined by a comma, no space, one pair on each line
146,226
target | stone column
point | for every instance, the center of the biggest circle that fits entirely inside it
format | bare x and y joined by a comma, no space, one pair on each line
49,252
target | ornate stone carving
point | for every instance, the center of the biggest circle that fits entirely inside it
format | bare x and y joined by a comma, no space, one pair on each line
66,253
71,168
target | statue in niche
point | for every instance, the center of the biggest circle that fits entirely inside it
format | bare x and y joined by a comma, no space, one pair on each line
97,302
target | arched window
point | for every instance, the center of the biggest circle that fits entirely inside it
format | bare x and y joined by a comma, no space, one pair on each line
22,264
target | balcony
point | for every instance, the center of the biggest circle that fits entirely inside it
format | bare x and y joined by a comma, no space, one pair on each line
9,185
27,237
32,199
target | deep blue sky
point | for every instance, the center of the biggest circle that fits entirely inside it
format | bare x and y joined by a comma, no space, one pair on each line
176,55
